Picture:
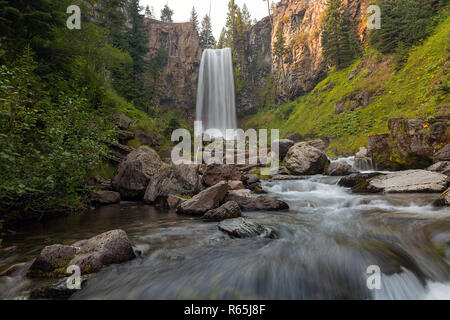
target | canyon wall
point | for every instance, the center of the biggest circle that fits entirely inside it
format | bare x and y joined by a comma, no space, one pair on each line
179,75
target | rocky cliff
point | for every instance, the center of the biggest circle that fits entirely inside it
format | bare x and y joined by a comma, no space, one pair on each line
181,43
302,66
301,21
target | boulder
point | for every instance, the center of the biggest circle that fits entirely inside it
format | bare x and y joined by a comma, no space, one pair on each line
236,185
356,179
174,201
119,152
228,210
339,169
90,255
52,261
108,248
409,181
441,167
443,154
249,201
204,201
124,122
148,138
444,199
321,144
172,180
125,136
304,159
283,147
245,228
135,171
56,291
215,173
105,197
294,137
363,153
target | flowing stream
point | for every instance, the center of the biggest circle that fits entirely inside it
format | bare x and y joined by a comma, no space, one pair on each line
216,106
325,244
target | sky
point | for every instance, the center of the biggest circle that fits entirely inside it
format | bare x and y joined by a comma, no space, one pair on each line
182,10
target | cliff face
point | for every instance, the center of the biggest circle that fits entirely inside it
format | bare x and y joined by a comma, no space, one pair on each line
182,45
301,22
255,66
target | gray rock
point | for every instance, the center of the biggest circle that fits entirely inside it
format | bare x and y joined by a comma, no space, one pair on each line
356,178
204,201
283,145
108,248
443,154
363,153
249,201
244,228
409,181
135,171
320,144
236,185
294,137
52,258
174,201
124,122
339,169
181,179
444,199
304,159
105,197
56,291
228,210
441,167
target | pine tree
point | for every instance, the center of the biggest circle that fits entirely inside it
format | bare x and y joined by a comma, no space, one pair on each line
221,41
166,14
247,17
230,24
279,47
148,12
194,18
207,40
338,42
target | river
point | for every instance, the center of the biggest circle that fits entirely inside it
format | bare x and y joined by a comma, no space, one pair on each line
325,244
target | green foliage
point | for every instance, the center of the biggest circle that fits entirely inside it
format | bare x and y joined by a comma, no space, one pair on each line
404,23
194,19
166,14
207,40
47,145
414,91
338,41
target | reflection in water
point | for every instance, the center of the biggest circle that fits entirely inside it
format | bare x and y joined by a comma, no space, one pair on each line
326,242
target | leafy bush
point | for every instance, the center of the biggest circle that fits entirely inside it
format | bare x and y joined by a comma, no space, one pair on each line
47,146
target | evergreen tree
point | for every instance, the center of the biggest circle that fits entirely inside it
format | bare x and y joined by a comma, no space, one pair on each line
247,17
221,41
230,25
279,47
111,17
194,19
148,12
338,42
166,14
207,40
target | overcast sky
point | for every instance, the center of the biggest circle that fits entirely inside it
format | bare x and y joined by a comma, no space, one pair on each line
182,10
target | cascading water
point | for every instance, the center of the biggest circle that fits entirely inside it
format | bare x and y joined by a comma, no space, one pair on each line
216,106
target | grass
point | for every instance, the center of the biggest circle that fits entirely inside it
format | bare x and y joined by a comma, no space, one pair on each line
415,91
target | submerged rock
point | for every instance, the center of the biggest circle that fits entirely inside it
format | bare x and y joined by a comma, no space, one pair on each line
135,172
409,181
229,210
204,201
172,180
356,179
339,169
244,228
304,159
174,201
90,255
56,291
248,201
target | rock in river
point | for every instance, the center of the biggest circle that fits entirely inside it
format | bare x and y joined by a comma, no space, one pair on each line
444,199
409,181
90,255
244,228
248,201
204,201
229,210
304,159
340,169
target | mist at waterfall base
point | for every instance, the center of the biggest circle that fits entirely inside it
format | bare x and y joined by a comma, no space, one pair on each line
216,105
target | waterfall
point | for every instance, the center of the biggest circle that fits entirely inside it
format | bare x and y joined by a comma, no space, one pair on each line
365,164
216,106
